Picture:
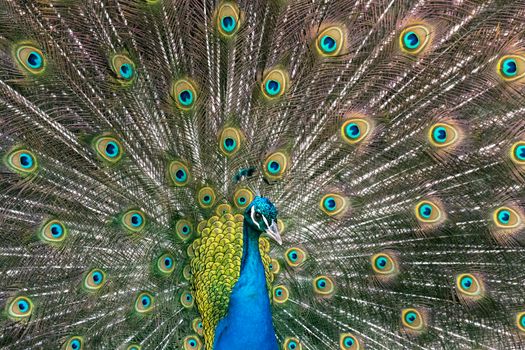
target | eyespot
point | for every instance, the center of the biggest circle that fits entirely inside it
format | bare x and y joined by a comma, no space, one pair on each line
206,197
22,161
53,231
186,299
295,256
19,308
108,148
230,141
355,130
166,264
414,39
333,204
242,198
123,67
134,220
506,217
223,209
31,59
134,347
186,272
330,41
511,67
428,212
192,342
197,326
184,229
520,321
324,286
384,264
74,343
280,294
144,302
94,280
469,285
292,344
228,19
412,319
274,266
517,153
442,135
275,83
275,166
281,226
348,341
179,173
184,93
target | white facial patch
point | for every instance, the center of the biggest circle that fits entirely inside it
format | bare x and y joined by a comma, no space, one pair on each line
252,215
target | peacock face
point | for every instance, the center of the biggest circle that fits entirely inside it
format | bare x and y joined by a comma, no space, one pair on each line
261,215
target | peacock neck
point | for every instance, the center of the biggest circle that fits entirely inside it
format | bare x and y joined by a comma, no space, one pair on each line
248,323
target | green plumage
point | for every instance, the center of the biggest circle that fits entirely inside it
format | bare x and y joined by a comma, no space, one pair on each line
390,135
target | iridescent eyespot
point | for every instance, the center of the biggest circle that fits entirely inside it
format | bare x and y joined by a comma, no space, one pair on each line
197,326
230,141
108,148
192,342
206,197
414,39
134,347
274,266
184,93
506,217
412,319
333,204
144,302
295,256
186,272
469,285
281,226
384,263
94,280
323,286
280,294
22,161
292,344
242,198
443,135
179,173
330,41
30,59
53,231
19,308
166,264
123,67
520,321
134,220
74,343
223,209
275,83
186,299
228,19
354,130
275,166
428,212
184,229
517,153
348,341
511,67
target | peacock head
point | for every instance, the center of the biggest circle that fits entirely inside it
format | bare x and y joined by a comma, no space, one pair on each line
261,216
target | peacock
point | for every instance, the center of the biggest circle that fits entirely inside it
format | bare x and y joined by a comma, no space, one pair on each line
262,174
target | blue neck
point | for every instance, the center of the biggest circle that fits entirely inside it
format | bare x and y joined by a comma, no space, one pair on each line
248,323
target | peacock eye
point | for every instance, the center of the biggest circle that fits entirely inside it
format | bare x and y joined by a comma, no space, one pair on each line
384,264
295,256
228,18
412,319
123,67
165,264
206,197
506,217
330,41
517,154
333,204
511,67
179,173
53,231
292,344
347,341
19,308
74,343
197,326
144,302
242,198
134,347
414,39
443,135
192,343
520,321
186,299
280,294
22,161
134,220
275,83
108,148
94,280
230,141
355,130
469,285
31,59
428,212
184,93
324,286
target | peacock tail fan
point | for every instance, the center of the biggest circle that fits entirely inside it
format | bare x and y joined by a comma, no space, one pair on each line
390,136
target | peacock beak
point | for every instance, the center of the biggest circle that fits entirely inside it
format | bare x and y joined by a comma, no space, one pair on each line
273,232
